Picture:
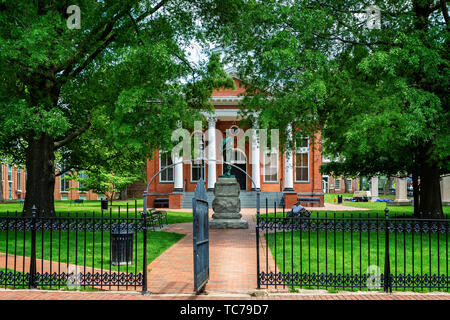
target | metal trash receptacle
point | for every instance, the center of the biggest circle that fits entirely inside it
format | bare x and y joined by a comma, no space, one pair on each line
122,245
339,198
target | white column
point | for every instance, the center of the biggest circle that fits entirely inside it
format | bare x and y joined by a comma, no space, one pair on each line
256,169
178,174
401,190
374,188
288,165
212,177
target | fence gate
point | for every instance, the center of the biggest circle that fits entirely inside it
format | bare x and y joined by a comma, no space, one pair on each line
201,237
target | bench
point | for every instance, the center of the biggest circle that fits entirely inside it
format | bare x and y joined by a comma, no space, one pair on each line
78,201
156,217
309,200
161,203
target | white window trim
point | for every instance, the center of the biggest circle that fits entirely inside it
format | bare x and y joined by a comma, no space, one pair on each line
264,167
295,165
61,181
160,168
336,188
19,182
10,171
204,171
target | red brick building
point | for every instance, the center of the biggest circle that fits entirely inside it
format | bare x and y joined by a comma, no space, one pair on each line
292,173
14,186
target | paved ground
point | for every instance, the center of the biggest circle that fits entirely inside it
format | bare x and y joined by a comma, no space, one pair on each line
316,295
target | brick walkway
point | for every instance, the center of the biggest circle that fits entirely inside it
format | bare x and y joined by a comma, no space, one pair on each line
232,262
58,295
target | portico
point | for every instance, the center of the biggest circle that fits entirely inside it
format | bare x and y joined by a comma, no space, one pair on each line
293,172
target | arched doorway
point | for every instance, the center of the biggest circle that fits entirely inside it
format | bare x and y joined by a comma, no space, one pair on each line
239,160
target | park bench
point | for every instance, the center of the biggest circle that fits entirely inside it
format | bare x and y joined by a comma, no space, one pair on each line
156,218
309,200
161,203
78,201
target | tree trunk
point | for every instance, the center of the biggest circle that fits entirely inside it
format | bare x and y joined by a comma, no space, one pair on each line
40,162
430,205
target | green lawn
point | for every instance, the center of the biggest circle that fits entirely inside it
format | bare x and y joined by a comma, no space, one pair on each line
93,208
350,253
47,242
378,207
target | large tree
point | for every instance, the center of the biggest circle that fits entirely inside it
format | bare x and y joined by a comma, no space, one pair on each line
379,96
120,81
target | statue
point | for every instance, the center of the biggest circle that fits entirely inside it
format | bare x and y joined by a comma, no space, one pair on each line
227,167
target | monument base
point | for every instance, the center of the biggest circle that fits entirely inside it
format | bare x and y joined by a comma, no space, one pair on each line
228,224
226,215
400,203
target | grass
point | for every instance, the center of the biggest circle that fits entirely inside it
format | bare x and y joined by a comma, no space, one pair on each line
69,247
378,207
350,253
315,251
92,208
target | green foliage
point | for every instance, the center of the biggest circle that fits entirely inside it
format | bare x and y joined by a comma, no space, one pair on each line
107,95
101,181
378,96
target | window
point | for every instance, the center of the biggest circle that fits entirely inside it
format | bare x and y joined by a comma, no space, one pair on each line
64,184
10,184
271,166
83,197
9,173
349,184
196,168
337,184
302,161
100,197
19,180
80,183
64,198
165,160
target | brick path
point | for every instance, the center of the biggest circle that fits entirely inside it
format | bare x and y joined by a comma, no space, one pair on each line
232,261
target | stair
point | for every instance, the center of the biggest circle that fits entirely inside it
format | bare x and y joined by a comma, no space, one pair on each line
248,199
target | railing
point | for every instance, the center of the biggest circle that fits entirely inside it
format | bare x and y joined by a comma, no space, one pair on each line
364,251
91,251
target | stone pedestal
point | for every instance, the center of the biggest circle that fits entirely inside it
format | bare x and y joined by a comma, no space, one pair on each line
401,193
227,205
374,189
445,190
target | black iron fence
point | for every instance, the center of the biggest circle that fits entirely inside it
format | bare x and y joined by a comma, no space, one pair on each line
88,250
360,251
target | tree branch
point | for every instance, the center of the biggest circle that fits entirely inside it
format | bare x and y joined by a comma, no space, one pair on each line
443,5
72,136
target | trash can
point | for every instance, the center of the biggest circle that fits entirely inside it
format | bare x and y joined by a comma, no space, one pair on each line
104,204
339,198
122,245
